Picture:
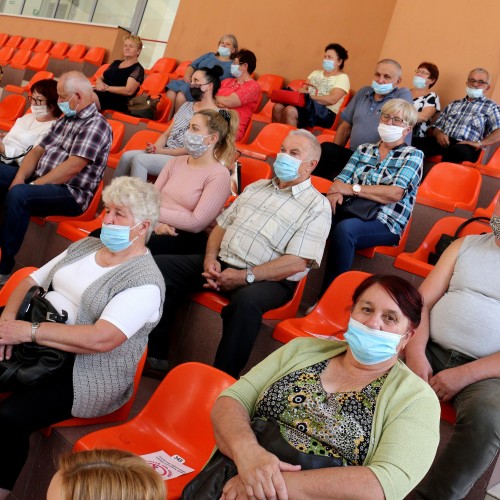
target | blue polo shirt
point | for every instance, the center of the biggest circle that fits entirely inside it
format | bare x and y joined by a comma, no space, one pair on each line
363,114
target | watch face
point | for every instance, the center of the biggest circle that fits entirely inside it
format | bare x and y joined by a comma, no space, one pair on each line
356,188
250,276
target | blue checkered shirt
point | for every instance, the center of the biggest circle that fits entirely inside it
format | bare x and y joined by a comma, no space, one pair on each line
402,167
466,120
87,135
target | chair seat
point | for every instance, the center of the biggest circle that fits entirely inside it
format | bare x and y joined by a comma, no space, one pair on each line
390,250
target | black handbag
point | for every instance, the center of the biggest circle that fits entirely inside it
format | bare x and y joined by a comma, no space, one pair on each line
209,483
361,208
31,363
445,240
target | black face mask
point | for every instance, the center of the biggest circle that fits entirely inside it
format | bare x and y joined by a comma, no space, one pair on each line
197,93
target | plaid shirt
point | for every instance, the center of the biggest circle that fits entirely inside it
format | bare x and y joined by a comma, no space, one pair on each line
466,120
402,167
266,222
87,135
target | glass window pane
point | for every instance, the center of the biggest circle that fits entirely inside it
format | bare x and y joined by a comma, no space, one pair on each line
10,6
81,10
39,8
117,13
157,20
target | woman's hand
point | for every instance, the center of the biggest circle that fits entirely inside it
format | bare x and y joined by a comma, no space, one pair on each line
150,148
448,383
334,199
13,332
100,85
163,228
420,366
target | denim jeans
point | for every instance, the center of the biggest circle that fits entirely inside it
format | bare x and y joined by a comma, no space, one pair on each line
476,435
23,201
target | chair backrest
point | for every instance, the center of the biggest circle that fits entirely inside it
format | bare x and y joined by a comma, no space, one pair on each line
325,138
154,83
12,283
43,46
14,41
163,109
296,84
95,55
253,170
139,140
59,49
28,43
22,56
163,65
76,51
488,211
39,61
269,82
118,129
12,107
3,39
321,184
271,137
180,70
98,73
6,54
41,75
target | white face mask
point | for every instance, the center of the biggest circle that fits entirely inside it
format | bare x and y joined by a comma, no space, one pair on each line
474,93
390,133
39,111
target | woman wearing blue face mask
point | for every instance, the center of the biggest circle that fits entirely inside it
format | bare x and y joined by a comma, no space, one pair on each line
112,291
353,415
332,85
178,91
426,102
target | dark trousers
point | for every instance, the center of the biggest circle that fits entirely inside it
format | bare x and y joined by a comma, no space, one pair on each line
242,317
24,201
27,410
333,159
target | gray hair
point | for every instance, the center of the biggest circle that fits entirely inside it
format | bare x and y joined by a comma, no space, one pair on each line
75,81
408,112
314,145
394,63
233,41
481,70
140,197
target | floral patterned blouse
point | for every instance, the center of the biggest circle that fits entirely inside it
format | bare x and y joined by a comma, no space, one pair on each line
311,420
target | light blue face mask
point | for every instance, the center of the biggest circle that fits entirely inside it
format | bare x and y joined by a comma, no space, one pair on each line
117,238
224,51
236,71
474,93
64,107
328,65
286,167
419,82
369,346
382,88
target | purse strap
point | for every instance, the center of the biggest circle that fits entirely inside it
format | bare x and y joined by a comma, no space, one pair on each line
466,223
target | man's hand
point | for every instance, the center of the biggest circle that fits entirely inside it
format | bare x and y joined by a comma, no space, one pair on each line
420,366
211,272
447,383
17,180
165,229
475,145
224,281
441,138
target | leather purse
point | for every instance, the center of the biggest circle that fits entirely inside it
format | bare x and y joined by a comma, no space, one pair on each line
143,106
290,97
361,208
31,363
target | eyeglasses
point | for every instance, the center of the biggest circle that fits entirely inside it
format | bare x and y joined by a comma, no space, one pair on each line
422,72
395,119
35,101
481,83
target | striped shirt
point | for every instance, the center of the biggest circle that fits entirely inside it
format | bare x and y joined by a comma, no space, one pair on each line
87,135
466,120
402,167
266,222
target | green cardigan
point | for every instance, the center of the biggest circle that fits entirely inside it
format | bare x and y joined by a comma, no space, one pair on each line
405,428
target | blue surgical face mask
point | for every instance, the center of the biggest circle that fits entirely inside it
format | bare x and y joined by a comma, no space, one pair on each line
224,51
194,144
117,238
328,65
369,346
286,167
236,71
64,107
419,82
382,88
474,93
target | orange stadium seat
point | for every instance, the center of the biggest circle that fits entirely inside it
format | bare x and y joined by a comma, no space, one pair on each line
163,65
12,283
58,50
76,52
118,129
20,59
94,56
253,170
41,75
28,43
321,184
265,114
180,70
268,141
3,39
6,54
154,83
492,168
43,46
38,62
77,230
487,211
12,107
137,141
14,41
98,73
269,82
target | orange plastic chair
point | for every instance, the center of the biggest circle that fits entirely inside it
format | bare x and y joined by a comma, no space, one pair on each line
163,65
12,283
325,137
137,141
268,141
416,262
449,186
162,111
3,39
76,52
296,84
154,83
391,250
119,415
269,82
448,413
118,129
321,184
94,56
253,170
20,59
98,73
14,41
12,107
176,420
492,168
487,211
28,43
216,302
58,50
6,54
38,62
336,122
265,115
330,316
43,46
180,70
41,75
77,230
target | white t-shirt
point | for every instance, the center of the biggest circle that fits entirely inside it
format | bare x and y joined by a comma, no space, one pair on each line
128,310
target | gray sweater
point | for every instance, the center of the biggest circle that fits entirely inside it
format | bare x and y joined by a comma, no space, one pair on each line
104,382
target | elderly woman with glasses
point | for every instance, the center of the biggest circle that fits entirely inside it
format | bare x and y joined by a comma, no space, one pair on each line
382,177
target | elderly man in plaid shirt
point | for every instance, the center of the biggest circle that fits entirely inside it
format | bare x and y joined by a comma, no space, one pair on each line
61,174
466,126
262,245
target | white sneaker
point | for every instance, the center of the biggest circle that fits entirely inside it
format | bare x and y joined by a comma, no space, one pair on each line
309,310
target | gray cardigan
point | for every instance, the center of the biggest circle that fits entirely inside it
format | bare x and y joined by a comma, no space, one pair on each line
103,382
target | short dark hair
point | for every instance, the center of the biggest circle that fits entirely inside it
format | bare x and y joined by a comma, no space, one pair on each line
248,57
341,52
48,88
432,69
213,76
406,296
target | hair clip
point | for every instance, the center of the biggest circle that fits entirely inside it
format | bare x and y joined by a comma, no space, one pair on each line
225,114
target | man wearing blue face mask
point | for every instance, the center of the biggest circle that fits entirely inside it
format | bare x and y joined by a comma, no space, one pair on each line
361,118
262,245
466,126
60,175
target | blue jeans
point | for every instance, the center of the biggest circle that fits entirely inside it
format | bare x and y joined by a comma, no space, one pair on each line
347,236
24,201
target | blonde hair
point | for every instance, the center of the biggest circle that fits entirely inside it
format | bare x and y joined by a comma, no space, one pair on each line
108,475
225,149
408,112
135,39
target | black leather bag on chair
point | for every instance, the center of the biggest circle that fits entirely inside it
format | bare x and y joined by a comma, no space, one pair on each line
361,208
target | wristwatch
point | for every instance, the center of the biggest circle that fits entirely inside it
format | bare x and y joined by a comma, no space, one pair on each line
34,328
356,189
250,276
